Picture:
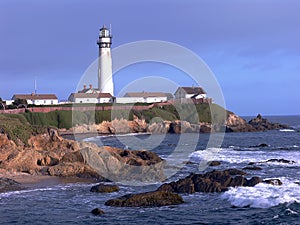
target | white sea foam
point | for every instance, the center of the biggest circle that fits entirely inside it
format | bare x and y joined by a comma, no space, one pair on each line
287,130
7,194
264,195
231,155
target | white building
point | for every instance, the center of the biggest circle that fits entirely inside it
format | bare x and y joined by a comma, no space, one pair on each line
143,97
37,99
93,98
105,79
190,93
9,102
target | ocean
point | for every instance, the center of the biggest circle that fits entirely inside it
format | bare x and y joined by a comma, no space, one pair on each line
262,204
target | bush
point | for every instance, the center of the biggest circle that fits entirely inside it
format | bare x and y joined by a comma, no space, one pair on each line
17,127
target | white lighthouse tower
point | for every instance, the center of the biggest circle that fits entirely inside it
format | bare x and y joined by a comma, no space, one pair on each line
105,80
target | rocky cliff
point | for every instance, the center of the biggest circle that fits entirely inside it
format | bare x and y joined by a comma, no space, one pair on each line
233,123
50,154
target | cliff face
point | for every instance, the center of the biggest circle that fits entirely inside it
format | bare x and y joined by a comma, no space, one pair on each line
237,124
261,124
234,123
50,154
116,126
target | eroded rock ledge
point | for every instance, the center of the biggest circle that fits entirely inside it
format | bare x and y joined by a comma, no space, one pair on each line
7,184
214,181
50,154
167,194
233,123
148,199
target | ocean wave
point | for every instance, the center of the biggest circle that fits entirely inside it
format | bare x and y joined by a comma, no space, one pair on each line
8,194
264,195
232,156
59,187
287,130
207,154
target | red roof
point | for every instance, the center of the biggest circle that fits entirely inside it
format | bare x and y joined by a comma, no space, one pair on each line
91,95
193,90
145,94
35,96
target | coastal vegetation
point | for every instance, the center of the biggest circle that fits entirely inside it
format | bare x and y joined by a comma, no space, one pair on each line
191,113
18,128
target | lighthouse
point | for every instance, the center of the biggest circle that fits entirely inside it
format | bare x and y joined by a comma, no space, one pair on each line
105,80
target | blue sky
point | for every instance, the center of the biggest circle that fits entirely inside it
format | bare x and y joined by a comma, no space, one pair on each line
251,46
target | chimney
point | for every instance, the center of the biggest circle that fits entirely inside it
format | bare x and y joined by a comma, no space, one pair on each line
84,87
91,86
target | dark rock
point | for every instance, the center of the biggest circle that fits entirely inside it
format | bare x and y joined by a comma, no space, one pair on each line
274,160
281,161
263,145
47,161
236,124
237,181
205,129
214,181
275,182
214,163
233,172
97,212
7,184
252,168
189,163
253,181
148,199
261,124
103,188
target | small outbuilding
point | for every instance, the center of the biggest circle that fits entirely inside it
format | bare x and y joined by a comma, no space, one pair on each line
93,98
37,99
143,97
190,93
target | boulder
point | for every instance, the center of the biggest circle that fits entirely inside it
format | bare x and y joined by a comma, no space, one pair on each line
263,145
235,123
274,181
252,168
214,163
127,165
50,154
260,124
253,181
148,199
104,188
7,184
281,161
97,212
214,181
273,160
